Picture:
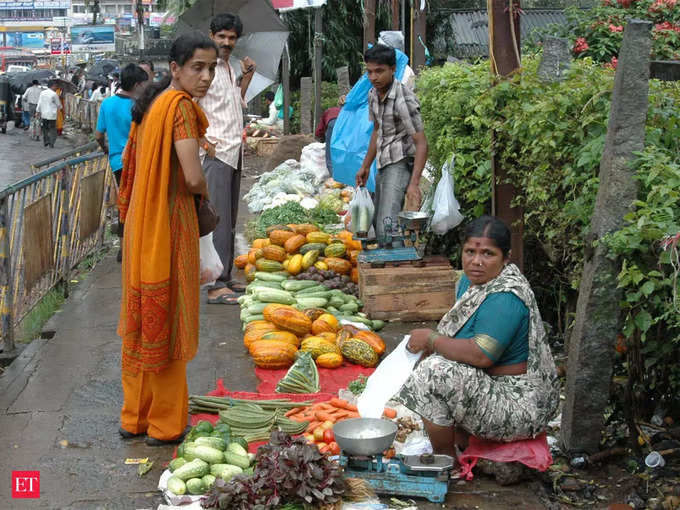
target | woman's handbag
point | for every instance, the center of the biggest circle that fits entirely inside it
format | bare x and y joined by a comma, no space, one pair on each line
207,216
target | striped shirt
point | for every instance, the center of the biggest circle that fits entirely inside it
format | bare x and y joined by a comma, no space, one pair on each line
223,106
398,118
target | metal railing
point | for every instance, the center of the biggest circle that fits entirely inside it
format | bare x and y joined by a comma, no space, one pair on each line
81,112
59,158
49,223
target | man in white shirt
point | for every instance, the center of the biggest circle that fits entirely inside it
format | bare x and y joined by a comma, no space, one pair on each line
223,106
32,95
48,106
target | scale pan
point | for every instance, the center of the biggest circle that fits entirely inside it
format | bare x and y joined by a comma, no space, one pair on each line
413,220
364,436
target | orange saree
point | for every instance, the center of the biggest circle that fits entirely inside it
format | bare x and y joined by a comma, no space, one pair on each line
160,305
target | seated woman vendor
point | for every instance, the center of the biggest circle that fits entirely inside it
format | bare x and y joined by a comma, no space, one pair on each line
488,370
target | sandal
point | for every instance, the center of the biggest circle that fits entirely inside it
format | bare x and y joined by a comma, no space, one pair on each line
152,441
236,287
126,434
224,299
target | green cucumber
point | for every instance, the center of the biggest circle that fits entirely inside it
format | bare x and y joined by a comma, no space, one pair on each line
259,284
326,294
298,285
377,324
309,290
255,317
214,442
256,307
349,308
238,449
194,469
311,302
275,296
176,463
332,310
195,486
242,442
225,471
336,301
177,486
234,459
206,453
270,277
208,481
312,246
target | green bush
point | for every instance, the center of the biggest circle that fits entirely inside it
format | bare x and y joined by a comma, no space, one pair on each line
550,137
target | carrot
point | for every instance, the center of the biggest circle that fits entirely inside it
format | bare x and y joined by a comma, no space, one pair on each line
323,416
389,413
293,411
343,404
312,425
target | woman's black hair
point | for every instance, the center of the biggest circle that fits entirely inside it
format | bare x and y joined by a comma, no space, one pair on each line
131,75
270,96
226,21
181,52
492,228
381,54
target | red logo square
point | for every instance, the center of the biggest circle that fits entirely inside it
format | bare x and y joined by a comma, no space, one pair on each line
26,484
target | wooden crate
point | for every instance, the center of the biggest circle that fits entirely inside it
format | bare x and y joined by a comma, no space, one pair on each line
266,146
401,291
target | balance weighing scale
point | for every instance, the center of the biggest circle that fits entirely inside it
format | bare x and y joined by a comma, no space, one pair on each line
401,243
426,476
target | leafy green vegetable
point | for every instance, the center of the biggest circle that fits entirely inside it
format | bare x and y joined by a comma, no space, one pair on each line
358,385
290,212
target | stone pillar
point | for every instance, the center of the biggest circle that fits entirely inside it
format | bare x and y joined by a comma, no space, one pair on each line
306,101
343,80
598,315
556,59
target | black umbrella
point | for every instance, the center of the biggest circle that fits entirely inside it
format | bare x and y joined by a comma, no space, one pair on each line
101,70
263,40
21,81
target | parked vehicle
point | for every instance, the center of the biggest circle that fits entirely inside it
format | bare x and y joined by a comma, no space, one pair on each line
15,57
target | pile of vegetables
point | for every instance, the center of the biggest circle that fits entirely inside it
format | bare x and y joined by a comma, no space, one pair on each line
275,340
330,280
292,213
286,470
208,453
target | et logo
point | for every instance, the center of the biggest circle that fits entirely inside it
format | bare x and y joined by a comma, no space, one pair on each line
26,484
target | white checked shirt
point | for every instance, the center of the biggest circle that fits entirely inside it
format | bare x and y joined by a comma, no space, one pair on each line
223,106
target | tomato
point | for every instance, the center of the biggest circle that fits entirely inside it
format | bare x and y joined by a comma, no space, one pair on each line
327,425
328,436
325,449
321,445
318,434
309,437
334,448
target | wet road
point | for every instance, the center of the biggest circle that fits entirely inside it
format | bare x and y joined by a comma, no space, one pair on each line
18,151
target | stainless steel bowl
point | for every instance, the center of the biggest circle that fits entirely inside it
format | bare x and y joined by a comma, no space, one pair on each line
364,436
413,220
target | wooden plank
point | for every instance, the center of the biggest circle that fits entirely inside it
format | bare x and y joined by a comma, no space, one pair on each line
424,286
91,197
37,241
410,316
410,302
398,280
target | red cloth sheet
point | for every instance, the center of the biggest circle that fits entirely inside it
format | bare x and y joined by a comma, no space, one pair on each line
221,391
533,453
331,380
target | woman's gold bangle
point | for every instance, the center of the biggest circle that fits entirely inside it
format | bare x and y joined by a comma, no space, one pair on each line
430,340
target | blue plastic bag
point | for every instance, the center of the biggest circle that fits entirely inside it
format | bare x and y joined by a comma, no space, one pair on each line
352,131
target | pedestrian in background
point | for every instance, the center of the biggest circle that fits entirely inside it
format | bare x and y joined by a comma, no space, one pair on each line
113,122
147,65
161,263
222,151
31,95
48,106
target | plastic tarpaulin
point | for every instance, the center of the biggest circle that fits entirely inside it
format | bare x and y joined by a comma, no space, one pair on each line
352,131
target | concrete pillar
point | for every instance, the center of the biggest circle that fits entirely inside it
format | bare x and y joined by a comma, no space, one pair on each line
306,101
598,315
556,59
343,80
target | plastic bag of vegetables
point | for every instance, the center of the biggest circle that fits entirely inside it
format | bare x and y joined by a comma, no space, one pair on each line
361,208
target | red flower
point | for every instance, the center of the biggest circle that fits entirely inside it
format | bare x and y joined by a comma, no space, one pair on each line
659,5
612,64
666,26
614,28
625,3
580,45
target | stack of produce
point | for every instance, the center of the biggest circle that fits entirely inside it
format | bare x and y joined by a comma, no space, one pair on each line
208,453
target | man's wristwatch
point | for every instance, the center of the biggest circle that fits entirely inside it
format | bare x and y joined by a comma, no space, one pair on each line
430,340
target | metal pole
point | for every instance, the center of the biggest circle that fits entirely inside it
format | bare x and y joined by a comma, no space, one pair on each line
285,77
318,63
6,279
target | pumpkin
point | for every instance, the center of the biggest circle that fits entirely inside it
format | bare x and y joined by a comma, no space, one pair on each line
255,333
261,243
338,265
354,257
329,360
344,236
273,252
283,336
321,265
353,244
321,326
331,320
250,271
258,324
309,258
342,337
279,237
241,261
354,275
373,340
267,265
359,352
314,313
290,319
317,346
295,264
328,336
254,254
304,228
318,237
269,309
271,228
335,250
272,354
293,244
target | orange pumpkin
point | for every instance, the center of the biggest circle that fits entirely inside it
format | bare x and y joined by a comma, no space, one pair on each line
328,336
293,244
329,360
340,266
354,275
273,354
255,333
372,339
261,243
282,336
303,228
290,319
241,261
321,326
273,252
250,271
254,254
257,324
353,244
344,235
354,257
314,313
269,309
279,237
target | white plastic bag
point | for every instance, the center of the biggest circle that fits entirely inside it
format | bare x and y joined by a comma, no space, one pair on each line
387,380
313,158
211,264
361,208
446,208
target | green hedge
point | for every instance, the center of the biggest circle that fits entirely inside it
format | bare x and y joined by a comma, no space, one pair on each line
551,138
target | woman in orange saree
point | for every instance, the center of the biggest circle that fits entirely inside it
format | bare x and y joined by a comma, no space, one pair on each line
159,312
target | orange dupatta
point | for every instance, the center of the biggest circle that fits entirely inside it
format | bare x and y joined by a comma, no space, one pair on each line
143,203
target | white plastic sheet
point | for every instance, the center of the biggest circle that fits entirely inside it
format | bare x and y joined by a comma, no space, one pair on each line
446,208
211,264
387,380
